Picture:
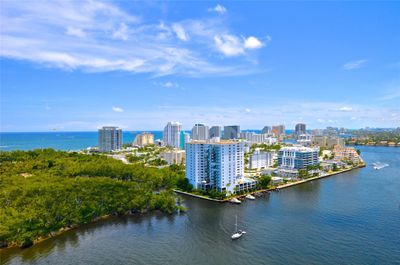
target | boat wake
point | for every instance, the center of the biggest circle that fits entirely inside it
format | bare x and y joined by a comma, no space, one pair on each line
379,165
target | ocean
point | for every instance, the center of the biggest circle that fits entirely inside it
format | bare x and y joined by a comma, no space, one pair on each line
67,141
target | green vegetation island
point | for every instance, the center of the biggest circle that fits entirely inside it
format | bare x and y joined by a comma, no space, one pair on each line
45,192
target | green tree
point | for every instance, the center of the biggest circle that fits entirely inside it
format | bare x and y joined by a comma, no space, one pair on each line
263,181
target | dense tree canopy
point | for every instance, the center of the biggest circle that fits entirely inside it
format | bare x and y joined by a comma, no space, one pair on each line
42,191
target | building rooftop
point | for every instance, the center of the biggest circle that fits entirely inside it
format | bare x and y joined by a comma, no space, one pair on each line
299,149
221,142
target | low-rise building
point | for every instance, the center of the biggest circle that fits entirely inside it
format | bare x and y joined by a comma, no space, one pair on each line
260,160
245,184
175,156
297,157
346,154
276,180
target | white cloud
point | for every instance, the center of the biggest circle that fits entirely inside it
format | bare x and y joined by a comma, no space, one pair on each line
122,32
252,43
117,109
180,32
346,108
218,9
354,64
229,45
170,84
247,110
42,37
77,32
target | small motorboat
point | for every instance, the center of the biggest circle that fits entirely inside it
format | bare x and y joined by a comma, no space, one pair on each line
238,233
250,197
235,200
379,165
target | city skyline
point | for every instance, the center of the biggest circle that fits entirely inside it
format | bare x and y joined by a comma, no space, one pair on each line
78,66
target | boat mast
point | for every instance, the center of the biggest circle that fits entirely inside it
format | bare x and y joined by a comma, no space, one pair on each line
236,225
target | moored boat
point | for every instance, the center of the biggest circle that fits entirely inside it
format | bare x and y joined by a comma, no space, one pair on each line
235,200
250,197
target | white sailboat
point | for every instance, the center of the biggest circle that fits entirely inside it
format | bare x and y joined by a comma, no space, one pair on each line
238,233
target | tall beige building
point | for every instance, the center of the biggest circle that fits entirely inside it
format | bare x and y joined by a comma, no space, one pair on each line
144,139
327,141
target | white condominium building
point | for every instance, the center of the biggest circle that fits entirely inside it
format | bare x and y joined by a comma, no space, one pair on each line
304,139
297,157
215,164
200,132
172,134
255,138
110,139
259,160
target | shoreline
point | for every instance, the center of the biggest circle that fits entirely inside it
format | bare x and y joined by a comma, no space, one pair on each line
55,233
67,229
284,186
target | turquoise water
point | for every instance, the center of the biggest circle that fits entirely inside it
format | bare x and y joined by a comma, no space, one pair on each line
58,140
350,218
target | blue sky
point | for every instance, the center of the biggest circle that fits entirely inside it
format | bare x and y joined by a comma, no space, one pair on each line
78,65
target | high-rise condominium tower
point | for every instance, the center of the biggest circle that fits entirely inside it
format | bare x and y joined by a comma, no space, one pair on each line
200,132
172,133
110,139
231,132
215,131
